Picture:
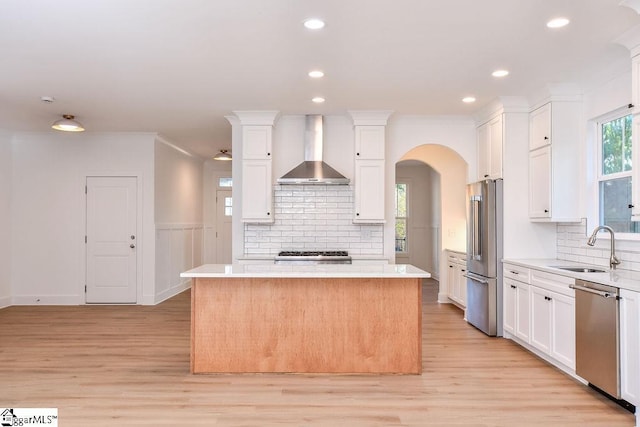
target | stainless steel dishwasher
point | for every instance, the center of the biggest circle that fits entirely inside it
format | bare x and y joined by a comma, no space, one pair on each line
597,335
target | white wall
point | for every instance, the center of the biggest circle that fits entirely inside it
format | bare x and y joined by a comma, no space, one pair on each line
423,215
5,218
178,186
48,210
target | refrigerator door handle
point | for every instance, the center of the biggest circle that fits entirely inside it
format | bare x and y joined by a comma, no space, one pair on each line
476,278
476,234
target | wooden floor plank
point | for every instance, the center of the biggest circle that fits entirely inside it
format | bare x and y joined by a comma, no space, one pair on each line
130,365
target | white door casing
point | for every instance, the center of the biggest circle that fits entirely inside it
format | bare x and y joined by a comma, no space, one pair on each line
111,239
223,226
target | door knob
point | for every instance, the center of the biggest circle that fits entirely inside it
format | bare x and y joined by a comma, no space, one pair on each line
132,246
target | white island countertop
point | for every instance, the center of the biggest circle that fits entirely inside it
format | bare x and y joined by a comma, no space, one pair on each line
623,279
386,271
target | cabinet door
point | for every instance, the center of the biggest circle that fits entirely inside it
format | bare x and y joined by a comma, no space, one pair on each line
540,127
452,280
630,346
509,305
495,148
523,319
256,142
369,142
256,191
462,270
369,191
483,147
540,319
540,183
563,329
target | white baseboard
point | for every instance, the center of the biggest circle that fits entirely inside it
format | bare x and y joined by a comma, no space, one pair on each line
5,302
47,300
175,290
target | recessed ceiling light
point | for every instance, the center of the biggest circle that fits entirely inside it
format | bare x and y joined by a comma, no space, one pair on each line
557,22
314,23
500,73
318,100
316,74
468,99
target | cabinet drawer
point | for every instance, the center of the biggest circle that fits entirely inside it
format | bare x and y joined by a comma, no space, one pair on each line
516,272
553,282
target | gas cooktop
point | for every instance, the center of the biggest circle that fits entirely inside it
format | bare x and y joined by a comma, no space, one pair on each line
313,257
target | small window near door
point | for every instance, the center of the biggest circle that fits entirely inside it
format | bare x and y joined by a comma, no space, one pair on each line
225,182
228,206
401,218
614,179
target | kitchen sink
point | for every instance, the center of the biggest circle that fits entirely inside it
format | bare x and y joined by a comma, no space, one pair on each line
581,269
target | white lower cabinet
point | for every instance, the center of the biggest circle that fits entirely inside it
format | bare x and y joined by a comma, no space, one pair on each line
553,317
553,325
456,282
539,313
629,346
516,308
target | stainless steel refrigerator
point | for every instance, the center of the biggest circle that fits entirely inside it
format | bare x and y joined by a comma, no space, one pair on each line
484,256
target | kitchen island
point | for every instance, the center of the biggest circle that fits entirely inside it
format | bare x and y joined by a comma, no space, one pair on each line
306,318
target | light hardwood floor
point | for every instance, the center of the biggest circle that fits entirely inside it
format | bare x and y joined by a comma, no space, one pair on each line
129,365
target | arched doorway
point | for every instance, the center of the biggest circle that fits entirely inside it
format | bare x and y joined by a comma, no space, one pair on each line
444,191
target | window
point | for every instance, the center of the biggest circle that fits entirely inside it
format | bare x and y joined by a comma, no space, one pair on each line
614,177
225,182
401,218
228,206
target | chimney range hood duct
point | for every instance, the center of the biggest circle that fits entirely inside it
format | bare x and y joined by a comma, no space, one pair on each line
313,170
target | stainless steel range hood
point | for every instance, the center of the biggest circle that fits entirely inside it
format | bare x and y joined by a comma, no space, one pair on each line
313,170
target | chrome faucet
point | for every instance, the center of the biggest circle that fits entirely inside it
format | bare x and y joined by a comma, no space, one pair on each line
613,259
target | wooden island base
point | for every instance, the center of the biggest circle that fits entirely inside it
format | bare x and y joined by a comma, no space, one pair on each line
306,325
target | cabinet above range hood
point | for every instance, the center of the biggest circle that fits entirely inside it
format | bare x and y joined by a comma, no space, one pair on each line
313,170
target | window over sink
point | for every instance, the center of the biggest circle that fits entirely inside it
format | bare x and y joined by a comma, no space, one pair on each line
614,172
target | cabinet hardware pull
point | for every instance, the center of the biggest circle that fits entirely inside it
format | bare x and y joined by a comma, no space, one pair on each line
513,287
630,206
268,213
546,211
357,154
514,272
268,154
357,213
630,105
546,137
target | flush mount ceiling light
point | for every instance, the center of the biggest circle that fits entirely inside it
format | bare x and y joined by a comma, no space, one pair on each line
318,100
316,74
557,22
314,23
68,124
468,99
500,73
223,155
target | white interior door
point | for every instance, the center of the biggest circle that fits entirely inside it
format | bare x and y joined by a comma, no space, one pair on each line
224,210
111,240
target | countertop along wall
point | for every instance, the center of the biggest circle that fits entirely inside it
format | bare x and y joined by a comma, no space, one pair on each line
5,219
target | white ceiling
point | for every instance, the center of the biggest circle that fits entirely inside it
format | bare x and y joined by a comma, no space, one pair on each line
177,67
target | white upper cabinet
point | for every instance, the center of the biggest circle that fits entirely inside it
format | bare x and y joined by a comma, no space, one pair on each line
540,183
489,148
369,167
540,127
369,142
256,142
257,177
554,163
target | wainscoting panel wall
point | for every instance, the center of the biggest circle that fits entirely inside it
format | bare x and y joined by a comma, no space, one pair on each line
179,247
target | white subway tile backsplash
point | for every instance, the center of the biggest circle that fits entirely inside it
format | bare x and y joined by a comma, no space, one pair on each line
313,217
572,246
